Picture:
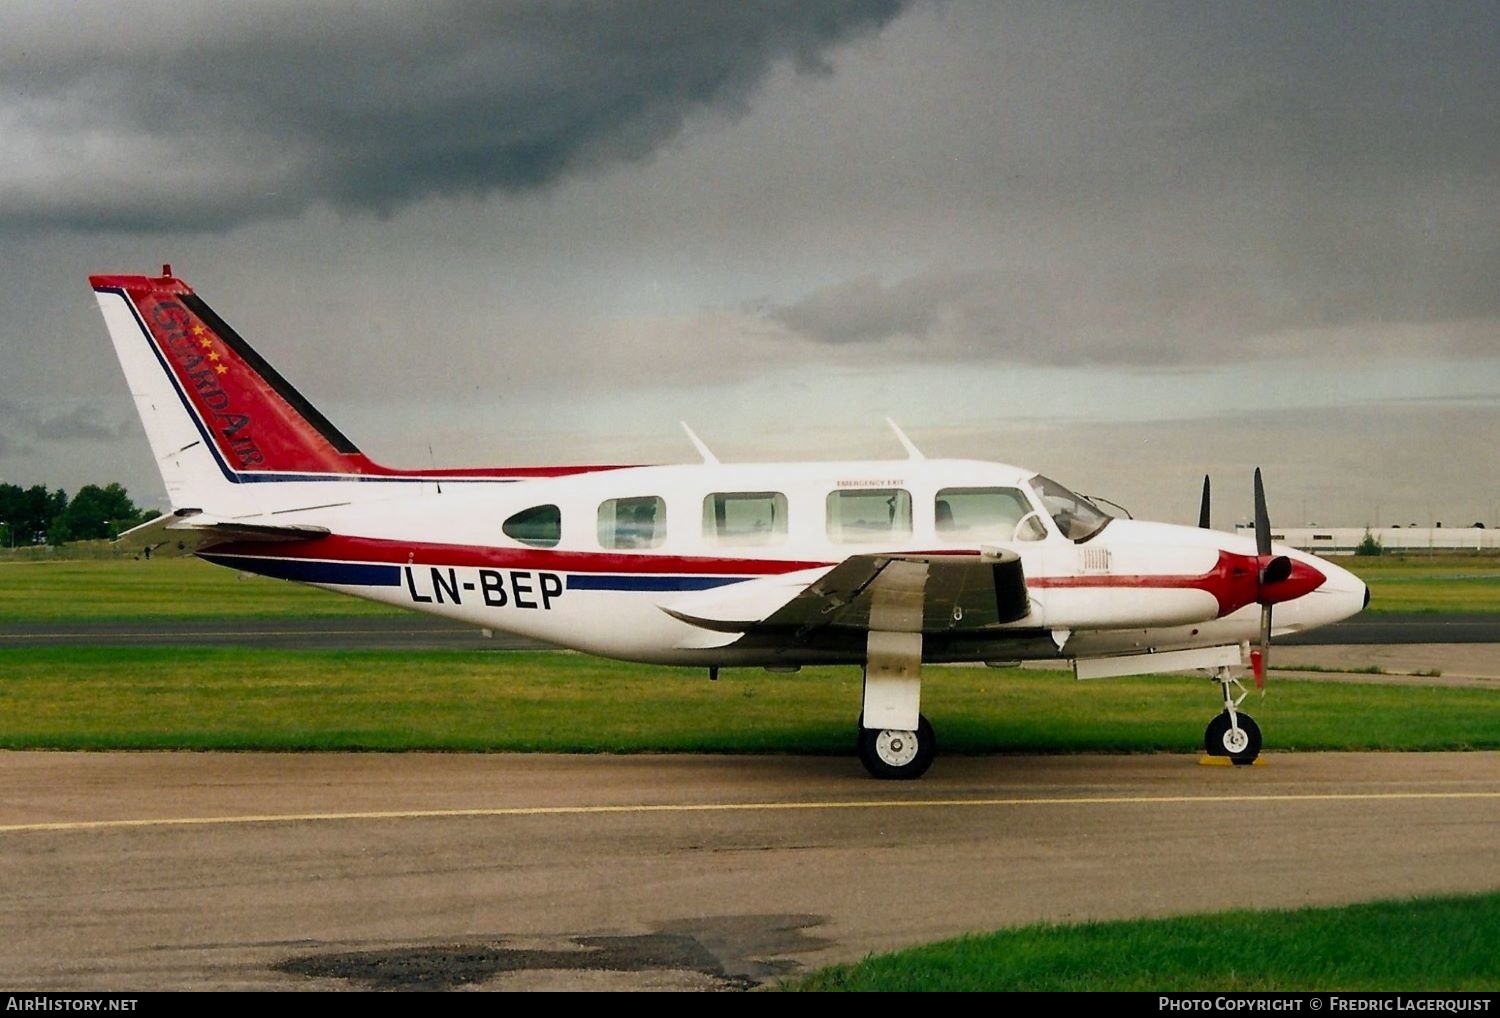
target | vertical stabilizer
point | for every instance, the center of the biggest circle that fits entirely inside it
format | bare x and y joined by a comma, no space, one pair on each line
215,412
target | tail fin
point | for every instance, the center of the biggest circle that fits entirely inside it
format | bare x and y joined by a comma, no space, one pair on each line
218,416
213,409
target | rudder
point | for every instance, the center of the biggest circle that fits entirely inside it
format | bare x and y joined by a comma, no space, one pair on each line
213,409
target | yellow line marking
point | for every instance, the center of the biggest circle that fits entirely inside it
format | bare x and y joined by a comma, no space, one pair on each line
730,807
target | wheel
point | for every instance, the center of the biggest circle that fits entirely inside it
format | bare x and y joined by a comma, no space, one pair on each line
1242,745
896,755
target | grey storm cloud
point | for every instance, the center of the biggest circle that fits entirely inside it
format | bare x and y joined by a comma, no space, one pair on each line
1130,317
866,310
154,116
1028,316
1172,184
80,423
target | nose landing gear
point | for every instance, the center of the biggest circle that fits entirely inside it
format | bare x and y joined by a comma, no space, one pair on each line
1233,734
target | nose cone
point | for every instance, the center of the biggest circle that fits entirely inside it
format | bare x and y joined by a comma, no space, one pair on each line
1340,595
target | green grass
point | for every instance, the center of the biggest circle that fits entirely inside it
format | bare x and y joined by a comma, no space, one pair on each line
1435,944
100,590
170,698
1437,583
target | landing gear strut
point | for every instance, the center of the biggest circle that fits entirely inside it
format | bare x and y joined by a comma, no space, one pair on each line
1232,733
897,755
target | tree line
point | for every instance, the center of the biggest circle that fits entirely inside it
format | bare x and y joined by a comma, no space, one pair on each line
37,516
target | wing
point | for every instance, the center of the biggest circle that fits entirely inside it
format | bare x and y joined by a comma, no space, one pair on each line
900,593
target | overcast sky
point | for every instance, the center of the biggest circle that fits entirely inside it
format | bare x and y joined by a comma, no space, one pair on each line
1125,244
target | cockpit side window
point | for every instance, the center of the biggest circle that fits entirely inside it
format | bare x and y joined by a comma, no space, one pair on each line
979,514
1077,517
632,522
540,526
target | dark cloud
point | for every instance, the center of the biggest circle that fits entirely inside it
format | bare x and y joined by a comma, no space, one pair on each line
153,118
1142,315
1027,316
80,423
866,310
1179,183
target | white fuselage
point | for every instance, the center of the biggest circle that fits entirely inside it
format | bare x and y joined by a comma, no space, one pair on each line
736,541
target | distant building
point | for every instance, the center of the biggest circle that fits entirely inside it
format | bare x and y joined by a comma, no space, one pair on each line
1343,540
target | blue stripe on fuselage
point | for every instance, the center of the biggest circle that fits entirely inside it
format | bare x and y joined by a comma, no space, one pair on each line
596,581
379,574
348,574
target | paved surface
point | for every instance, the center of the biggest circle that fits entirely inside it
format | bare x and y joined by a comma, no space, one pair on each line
1403,628
283,871
1427,664
280,871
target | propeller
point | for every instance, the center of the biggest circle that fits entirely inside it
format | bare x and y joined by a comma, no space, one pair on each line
1203,506
1272,569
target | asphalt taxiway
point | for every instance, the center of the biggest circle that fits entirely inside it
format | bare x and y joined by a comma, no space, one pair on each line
194,871
197,871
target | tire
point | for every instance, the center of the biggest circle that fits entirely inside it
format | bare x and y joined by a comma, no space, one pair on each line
1219,739
895,755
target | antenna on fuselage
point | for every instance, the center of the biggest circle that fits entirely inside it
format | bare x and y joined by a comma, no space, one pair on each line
911,450
432,462
703,450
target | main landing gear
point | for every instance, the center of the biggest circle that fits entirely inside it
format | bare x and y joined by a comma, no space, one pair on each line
897,755
895,741
1233,734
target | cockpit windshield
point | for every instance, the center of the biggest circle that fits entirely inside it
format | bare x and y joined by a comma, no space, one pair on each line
1077,517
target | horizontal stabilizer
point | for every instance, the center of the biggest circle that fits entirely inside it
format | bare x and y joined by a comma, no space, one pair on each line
188,531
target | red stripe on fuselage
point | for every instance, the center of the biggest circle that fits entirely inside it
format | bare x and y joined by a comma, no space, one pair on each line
368,549
1234,582
503,472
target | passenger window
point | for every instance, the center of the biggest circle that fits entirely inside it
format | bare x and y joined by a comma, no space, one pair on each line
861,515
745,517
632,522
540,526
970,514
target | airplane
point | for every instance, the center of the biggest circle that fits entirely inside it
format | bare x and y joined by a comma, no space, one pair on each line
888,565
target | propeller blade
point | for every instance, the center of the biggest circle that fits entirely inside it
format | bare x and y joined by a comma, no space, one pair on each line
1262,518
1261,656
1203,507
1272,570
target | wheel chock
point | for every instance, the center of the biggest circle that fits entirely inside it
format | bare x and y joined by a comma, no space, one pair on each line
1223,761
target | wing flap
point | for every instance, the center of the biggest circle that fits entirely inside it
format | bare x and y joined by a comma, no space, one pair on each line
897,593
